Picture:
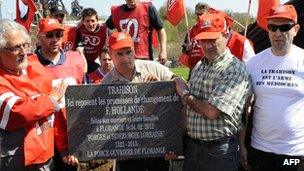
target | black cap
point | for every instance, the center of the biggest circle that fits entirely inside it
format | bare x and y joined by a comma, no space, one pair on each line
55,11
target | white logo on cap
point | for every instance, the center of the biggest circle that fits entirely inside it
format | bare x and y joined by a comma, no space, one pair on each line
120,37
206,24
279,9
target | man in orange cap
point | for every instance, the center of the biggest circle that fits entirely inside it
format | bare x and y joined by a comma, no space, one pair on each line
218,89
239,45
128,69
62,66
277,140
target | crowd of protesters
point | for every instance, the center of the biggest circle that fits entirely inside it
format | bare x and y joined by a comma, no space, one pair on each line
228,83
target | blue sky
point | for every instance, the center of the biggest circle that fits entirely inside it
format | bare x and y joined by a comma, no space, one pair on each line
103,6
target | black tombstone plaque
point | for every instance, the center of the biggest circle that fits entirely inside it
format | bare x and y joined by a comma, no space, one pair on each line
135,120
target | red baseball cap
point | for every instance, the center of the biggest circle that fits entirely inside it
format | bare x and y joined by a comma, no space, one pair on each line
49,24
284,11
211,26
120,40
229,20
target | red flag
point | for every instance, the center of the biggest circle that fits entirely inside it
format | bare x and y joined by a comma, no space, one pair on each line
183,59
264,11
175,11
25,12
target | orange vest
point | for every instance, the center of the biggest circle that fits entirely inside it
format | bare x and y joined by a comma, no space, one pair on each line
136,22
36,72
72,67
38,138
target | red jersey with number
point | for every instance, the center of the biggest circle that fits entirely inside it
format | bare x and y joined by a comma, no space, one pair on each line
136,22
93,42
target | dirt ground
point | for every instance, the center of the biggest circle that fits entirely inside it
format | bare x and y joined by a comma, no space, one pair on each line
96,165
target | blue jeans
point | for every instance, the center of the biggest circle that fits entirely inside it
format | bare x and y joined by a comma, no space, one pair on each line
219,155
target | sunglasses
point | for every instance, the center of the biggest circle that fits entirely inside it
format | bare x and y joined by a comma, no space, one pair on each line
57,34
282,28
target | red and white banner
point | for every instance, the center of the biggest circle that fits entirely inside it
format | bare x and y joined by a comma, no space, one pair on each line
25,12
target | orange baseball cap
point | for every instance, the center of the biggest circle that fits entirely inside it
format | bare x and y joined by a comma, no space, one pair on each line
49,24
211,26
120,40
284,11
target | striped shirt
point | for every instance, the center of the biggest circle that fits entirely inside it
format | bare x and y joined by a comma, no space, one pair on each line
225,84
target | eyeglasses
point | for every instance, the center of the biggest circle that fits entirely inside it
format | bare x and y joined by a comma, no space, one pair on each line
50,35
18,48
282,28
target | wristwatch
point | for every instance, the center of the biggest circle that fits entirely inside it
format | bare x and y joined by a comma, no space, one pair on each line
185,92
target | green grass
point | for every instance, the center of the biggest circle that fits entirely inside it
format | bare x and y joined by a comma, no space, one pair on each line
181,72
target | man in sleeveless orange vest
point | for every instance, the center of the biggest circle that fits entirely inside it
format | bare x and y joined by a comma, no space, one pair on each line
139,19
63,66
26,111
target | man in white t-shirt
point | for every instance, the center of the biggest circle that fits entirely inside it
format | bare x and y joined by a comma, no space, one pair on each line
277,140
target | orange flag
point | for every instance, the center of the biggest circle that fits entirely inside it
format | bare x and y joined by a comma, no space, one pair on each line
264,11
175,11
25,12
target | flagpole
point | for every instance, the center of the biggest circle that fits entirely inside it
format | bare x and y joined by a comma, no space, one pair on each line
187,22
239,23
39,14
247,19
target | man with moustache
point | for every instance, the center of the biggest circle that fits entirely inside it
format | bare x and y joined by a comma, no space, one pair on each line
26,111
218,88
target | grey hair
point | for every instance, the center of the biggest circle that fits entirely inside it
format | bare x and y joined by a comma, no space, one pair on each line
7,26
